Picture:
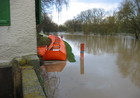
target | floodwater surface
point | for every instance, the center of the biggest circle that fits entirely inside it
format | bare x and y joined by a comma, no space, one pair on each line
110,69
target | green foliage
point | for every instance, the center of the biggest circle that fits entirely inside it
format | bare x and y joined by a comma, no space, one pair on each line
129,16
61,28
92,21
43,41
73,25
47,25
70,55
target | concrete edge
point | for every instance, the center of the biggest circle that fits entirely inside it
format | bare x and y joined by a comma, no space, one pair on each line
20,66
31,85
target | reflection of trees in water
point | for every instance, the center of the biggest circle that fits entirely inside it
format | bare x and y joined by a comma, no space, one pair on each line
52,82
129,62
50,73
96,44
127,49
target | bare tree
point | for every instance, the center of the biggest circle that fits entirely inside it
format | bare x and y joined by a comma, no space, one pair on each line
47,24
48,5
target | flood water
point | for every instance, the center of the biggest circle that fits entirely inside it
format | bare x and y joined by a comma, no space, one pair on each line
110,69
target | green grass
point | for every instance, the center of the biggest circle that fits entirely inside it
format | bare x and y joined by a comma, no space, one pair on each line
70,55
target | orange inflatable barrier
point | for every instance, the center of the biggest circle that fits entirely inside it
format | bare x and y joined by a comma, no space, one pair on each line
41,50
55,51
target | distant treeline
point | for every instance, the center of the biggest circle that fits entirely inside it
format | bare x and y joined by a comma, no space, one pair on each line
125,19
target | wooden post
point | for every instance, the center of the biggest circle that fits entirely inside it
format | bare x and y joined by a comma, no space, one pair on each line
82,50
82,58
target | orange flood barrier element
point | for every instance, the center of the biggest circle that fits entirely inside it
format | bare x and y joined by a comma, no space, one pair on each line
55,51
41,50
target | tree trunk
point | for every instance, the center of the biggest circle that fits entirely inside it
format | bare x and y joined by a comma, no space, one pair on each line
136,35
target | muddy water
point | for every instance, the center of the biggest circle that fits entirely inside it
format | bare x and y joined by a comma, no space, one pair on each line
110,69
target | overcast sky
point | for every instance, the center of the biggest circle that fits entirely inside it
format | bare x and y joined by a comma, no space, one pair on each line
76,6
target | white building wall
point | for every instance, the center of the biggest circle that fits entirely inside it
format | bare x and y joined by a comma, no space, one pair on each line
20,38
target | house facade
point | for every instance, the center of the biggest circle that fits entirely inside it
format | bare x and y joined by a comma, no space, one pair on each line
17,28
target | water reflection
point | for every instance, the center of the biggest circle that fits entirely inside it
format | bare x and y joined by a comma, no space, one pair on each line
50,73
56,66
82,64
100,44
110,68
128,61
96,44
126,49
